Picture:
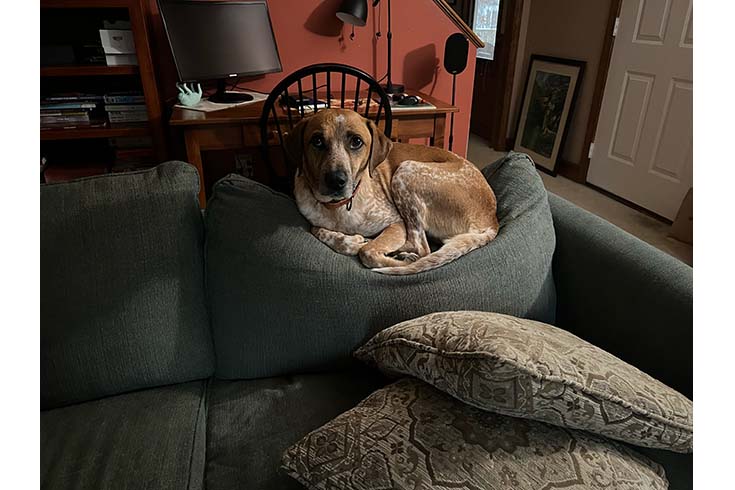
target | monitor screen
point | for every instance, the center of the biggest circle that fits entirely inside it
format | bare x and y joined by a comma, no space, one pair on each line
213,40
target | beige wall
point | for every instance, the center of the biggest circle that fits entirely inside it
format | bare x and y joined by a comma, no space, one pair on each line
566,29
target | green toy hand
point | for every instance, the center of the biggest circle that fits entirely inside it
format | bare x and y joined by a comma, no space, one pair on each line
188,96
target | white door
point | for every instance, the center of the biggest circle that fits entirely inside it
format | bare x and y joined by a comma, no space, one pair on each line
643,144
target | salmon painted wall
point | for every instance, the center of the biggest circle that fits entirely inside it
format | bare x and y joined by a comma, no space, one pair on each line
307,31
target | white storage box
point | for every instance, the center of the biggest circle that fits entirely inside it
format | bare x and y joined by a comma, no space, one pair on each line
121,59
117,41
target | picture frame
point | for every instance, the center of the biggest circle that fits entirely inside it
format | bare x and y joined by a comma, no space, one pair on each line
549,95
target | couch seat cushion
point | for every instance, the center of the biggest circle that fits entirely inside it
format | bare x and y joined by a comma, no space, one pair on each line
251,423
122,285
282,302
149,439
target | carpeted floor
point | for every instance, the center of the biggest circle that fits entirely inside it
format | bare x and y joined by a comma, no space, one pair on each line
634,222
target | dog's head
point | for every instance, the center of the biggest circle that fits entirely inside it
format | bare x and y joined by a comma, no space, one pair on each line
333,149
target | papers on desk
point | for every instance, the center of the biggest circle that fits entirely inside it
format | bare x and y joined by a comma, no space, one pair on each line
407,108
207,106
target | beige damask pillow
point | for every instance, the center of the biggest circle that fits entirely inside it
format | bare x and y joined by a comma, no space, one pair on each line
412,436
533,370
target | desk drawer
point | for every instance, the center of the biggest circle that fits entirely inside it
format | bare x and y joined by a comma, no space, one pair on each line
419,127
219,137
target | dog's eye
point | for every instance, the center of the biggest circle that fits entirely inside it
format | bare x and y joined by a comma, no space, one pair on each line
317,142
356,143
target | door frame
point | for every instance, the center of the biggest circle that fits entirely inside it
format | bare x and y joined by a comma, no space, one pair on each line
578,173
502,142
510,21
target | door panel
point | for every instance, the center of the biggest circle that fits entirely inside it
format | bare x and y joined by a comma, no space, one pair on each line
651,21
631,114
643,144
670,151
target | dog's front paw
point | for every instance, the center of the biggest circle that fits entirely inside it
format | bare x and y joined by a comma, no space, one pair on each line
339,242
349,244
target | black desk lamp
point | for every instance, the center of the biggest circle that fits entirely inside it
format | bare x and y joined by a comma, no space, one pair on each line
355,12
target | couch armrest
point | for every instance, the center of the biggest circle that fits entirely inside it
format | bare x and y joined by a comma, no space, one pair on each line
623,295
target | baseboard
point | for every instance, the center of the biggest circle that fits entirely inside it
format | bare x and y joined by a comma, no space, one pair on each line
577,173
630,204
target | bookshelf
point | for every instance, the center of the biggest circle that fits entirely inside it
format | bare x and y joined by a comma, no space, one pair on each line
106,78
88,70
91,133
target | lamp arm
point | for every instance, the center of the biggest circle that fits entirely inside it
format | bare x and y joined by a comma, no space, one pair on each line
390,51
389,85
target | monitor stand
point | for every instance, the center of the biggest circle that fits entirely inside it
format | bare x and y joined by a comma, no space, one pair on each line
224,97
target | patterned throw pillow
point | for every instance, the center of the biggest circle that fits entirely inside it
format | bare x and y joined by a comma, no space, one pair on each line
532,370
412,436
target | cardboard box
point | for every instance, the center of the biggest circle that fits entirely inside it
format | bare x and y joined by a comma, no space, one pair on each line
117,41
683,227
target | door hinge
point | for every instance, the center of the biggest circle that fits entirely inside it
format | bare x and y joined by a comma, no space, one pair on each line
615,27
592,150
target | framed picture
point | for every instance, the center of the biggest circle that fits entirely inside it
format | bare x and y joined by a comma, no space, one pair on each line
551,89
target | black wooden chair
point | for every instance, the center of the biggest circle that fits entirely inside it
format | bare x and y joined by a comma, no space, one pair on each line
306,84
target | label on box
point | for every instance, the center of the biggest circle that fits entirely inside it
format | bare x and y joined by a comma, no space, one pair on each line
117,41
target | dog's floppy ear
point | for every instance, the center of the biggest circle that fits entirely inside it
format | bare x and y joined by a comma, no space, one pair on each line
293,143
380,145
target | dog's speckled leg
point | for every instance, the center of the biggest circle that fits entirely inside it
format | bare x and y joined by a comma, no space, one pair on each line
375,253
339,242
406,187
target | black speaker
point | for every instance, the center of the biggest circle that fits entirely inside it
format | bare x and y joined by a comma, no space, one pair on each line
455,53
455,61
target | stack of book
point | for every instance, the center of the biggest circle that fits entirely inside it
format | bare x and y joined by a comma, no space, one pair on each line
125,107
70,111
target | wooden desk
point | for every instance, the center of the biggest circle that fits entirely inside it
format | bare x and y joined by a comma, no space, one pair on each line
238,128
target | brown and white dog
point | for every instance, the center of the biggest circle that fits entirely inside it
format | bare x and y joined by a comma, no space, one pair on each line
352,182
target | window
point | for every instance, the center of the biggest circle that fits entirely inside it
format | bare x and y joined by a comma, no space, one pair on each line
485,24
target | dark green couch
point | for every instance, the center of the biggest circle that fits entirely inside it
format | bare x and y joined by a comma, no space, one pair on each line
183,351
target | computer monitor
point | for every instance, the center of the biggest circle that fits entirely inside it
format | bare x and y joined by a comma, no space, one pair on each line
220,40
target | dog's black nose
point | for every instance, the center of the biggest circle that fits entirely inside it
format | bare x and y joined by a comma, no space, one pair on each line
336,180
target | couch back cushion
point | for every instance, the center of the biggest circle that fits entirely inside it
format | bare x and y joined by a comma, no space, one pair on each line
122,284
283,302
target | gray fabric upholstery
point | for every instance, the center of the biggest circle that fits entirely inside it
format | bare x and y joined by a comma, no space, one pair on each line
623,295
282,302
147,440
251,423
630,299
122,284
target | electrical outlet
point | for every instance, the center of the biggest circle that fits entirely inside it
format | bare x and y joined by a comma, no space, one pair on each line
245,164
